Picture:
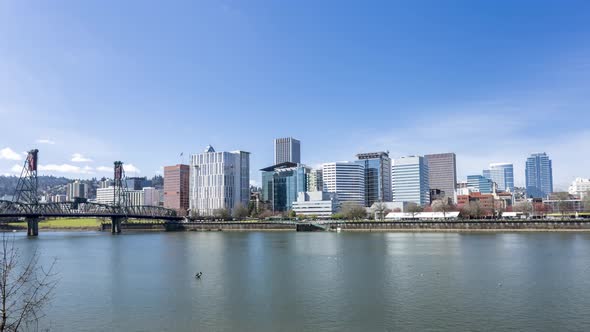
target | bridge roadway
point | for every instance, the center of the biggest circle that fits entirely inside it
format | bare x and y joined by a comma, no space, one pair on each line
118,214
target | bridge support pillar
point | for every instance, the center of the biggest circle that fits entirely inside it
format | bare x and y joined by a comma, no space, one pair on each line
32,226
116,224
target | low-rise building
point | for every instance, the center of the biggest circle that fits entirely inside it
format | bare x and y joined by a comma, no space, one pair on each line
316,203
580,187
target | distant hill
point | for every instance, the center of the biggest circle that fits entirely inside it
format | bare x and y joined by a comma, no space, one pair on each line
50,184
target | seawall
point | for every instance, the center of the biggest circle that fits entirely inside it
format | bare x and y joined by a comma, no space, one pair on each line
366,226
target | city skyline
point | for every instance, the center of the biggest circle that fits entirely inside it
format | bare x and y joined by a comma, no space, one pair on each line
433,83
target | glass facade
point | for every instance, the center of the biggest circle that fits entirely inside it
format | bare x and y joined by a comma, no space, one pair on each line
480,184
539,175
410,180
377,177
281,184
502,174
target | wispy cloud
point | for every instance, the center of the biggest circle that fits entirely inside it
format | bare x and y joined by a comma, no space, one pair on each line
66,168
79,158
45,141
9,154
130,168
104,169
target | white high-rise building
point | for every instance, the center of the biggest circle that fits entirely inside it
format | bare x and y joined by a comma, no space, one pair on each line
287,149
346,180
219,180
315,180
580,187
410,180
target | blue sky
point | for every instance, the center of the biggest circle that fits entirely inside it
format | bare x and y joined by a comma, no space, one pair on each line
90,82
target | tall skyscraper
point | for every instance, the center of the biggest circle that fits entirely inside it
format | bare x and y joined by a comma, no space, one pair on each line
377,176
539,175
442,173
219,180
288,150
502,174
410,180
346,180
282,183
176,188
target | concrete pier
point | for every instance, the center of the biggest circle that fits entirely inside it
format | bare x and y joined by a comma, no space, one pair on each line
116,224
32,226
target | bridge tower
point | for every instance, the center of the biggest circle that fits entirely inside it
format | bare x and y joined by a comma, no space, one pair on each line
120,200
26,187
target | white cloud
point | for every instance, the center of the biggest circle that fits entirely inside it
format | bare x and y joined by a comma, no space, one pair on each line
104,169
130,168
9,154
79,158
66,168
16,168
45,141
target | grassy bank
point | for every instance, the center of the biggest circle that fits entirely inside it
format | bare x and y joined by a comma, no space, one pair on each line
72,223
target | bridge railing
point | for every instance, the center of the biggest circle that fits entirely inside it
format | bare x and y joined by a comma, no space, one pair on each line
76,209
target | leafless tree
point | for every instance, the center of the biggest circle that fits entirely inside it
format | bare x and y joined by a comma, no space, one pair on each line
380,210
525,207
240,212
563,203
442,205
222,214
25,288
353,211
414,209
587,201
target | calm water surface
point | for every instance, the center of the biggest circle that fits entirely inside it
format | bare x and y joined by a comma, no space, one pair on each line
318,281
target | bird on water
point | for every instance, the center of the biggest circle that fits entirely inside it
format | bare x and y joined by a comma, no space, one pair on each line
198,275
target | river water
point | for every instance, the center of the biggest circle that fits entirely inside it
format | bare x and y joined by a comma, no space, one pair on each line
287,281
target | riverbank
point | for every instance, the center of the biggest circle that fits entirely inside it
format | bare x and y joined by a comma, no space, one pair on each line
92,224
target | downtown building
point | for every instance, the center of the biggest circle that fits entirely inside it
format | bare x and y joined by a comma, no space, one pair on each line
315,180
219,180
539,175
176,188
76,190
502,174
346,180
282,183
287,150
410,180
442,174
481,184
377,172
580,187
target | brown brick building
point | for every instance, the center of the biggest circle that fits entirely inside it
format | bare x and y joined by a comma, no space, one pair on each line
176,188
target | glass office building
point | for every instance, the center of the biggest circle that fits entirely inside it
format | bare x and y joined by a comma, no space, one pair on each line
539,175
480,184
410,180
502,174
281,183
377,167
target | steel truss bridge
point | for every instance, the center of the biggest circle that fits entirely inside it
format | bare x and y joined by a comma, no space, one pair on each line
26,204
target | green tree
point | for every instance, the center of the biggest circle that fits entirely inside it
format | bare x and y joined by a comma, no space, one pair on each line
292,214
